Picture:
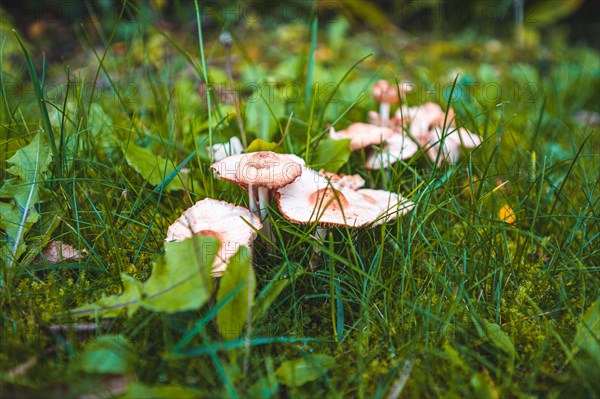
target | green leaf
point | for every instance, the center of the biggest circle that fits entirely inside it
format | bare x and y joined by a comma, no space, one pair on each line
151,166
263,388
331,155
232,317
587,337
300,371
261,145
31,166
181,280
32,161
483,387
108,354
498,338
138,390
113,305
10,218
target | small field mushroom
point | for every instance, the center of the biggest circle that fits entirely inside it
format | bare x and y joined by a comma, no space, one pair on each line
421,119
232,225
223,150
361,135
386,95
393,123
312,198
391,204
262,170
426,124
396,147
450,144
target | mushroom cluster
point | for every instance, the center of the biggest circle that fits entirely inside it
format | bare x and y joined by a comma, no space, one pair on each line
429,128
326,199
303,196
436,131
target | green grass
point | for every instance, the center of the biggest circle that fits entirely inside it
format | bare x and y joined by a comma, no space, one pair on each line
448,301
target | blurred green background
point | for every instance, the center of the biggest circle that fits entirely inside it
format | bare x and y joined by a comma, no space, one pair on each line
53,25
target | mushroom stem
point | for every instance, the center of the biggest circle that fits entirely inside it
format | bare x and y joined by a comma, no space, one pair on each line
320,235
263,201
384,112
252,200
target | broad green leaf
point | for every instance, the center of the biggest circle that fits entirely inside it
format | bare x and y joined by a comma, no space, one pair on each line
151,166
454,357
31,166
138,390
263,388
232,317
32,161
261,145
113,305
300,371
109,354
587,337
498,338
102,130
331,155
181,280
10,220
483,387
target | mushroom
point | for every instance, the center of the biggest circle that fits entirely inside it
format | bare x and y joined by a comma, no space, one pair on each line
421,119
450,144
263,170
312,198
391,204
361,135
386,95
223,150
393,123
232,225
426,124
396,147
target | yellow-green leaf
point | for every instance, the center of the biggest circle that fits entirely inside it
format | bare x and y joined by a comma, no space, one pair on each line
152,167
300,371
331,155
109,354
233,293
587,337
261,145
113,305
181,280
498,338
